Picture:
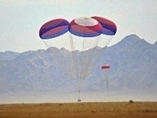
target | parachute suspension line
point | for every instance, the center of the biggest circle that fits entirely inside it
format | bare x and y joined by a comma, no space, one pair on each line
88,68
82,60
106,76
80,69
57,61
75,65
108,42
45,44
73,55
85,68
108,89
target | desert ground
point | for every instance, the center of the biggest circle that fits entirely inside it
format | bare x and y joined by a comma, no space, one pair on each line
80,110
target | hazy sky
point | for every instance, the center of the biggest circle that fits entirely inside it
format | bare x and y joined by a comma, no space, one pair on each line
20,20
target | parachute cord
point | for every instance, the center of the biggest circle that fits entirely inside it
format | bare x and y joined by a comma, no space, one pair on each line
105,78
108,88
73,57
81,56
88,69
84,71
80,72
92,63
75,65
79,91
45,44
57,60
108,42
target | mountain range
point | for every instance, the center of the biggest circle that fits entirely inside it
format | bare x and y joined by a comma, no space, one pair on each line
132,73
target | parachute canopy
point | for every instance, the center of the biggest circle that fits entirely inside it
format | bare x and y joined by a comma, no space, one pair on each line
83,27
106,66
53,28
108,27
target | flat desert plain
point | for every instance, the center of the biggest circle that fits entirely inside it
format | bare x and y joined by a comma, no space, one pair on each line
80,110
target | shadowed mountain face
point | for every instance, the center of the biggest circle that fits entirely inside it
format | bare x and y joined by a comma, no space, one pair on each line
133,63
